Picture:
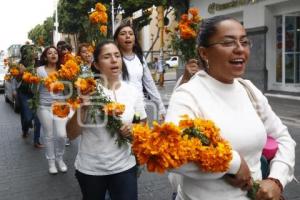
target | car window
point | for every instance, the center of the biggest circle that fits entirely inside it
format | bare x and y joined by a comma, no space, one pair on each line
174,58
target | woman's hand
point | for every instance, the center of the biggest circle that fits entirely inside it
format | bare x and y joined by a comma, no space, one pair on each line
125,130
268,190
242,179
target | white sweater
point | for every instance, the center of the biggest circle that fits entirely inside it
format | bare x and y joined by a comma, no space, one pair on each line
98,153
229,106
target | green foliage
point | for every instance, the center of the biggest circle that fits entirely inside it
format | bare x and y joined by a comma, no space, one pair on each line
73,14
42,34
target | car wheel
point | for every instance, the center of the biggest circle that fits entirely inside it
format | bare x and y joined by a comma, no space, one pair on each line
15,106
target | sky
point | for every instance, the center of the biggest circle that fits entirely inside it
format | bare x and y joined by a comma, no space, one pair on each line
18,17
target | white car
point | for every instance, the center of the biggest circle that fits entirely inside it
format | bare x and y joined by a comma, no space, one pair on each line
2,74
172,62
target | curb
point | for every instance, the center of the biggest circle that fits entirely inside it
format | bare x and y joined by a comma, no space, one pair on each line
283,96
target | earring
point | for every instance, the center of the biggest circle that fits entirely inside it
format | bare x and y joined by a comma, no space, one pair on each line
207,65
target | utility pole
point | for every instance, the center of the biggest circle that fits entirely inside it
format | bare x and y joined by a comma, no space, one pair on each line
160,25
56,34
112,17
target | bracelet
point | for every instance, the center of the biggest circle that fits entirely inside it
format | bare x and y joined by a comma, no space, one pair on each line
277,183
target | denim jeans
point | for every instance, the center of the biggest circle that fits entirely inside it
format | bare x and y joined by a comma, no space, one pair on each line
121,186
27,115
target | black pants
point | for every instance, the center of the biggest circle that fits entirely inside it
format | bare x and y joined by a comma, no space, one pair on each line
121,186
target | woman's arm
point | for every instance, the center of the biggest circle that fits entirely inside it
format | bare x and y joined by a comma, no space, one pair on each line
73,126
150,87
282,165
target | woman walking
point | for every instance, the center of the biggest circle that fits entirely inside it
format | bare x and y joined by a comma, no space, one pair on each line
54,127
101,165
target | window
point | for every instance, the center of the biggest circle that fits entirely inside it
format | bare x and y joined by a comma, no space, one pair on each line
288,48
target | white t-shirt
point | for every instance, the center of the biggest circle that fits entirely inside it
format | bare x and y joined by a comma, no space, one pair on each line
98,153
135,71
229,106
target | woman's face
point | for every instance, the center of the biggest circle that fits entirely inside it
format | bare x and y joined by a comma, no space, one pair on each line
110,61
126,39
84,54
229,51
52,56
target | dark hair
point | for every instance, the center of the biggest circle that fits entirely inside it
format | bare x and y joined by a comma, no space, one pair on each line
28,55
66,46
98,50
60,43
43,59
136,47
208,28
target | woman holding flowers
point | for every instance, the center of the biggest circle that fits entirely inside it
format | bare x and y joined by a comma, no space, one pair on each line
53,127
139,73
101,164
217,93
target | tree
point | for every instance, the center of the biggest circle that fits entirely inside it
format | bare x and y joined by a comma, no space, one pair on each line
73,14
42,34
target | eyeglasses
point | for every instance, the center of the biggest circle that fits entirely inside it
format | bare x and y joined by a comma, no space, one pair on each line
231,43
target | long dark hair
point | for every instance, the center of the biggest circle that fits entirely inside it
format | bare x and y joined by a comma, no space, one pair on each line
97,52
136,47
208,28
43,59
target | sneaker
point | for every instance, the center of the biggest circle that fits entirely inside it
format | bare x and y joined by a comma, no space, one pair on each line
52,167
62,167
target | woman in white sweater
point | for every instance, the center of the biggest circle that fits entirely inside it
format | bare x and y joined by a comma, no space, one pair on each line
139,73
101,165
216,94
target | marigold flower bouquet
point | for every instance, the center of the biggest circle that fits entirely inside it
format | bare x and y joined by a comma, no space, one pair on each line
168,146
184,37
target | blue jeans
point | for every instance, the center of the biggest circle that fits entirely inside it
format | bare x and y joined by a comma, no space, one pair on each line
121,186
27,115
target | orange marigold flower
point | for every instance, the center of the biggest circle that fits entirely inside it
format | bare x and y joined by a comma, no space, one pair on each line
194,11
94,17
26,77
103,17
184,18
196,19
114,109
56,87
100,7
60,109
69,70
7,77
34,79
74,103
14,71
85,85
103,30
186,32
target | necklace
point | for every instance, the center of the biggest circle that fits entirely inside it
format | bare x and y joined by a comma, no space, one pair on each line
130,57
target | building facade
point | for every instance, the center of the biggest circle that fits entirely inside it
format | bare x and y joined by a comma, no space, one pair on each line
274,28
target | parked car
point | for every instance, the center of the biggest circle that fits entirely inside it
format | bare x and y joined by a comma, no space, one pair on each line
2,74
172,62
10,94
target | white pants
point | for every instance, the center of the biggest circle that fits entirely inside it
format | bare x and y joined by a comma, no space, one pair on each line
54,129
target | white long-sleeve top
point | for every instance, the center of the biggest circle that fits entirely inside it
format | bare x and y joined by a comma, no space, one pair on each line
229,106
139,77
98,153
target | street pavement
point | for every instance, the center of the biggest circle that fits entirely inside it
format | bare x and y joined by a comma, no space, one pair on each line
24,175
